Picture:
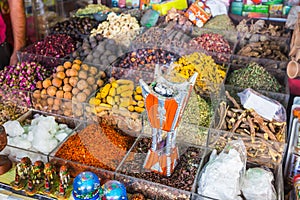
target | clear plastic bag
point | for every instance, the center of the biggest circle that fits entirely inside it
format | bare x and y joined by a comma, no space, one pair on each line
257,184
221,176
292,17
269,109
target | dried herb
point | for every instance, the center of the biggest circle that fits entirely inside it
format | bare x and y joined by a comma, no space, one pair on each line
255,77
220,22
211,75
10,111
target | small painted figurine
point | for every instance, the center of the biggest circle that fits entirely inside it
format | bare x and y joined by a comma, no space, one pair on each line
61,190
49,172
31,190
17,184
38,172
64,176
47,185
24,167
17,178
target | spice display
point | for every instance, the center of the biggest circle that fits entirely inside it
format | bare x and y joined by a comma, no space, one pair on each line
106,153
213,42
72,81
141,63
249,122
255,77
152,36
260,27
102,91
83,48
123,28
58,46
119,102
105,53
210,74
91,9
75,27
263,49
182,178
169,38
10,111
43,134
175,39
23,76
219,22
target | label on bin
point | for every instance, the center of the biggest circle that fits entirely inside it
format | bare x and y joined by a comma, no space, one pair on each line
198,13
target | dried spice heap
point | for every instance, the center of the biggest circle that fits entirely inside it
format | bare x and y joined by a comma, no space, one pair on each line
211,75
212,42
198,111
263,49
97,145
260,27
255,77
10,111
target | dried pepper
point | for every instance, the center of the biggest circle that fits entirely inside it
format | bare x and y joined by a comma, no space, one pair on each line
97,145
211,75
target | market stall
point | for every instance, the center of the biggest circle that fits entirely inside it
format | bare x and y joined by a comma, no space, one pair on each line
126,102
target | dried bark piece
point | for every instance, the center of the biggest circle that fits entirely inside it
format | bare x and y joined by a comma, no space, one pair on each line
238,122
258,119
235,104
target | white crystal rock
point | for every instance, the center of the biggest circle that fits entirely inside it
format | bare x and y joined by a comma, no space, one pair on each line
13,128
63,126
21,142
45,146
61,135
30,136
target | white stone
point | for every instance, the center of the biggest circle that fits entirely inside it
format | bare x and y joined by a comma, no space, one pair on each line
61,135
13,128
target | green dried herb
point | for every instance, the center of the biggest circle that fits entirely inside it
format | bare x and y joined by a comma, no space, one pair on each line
255,77
220,22
198,111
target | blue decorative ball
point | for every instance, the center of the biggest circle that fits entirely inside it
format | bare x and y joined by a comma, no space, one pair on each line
86,186
114,190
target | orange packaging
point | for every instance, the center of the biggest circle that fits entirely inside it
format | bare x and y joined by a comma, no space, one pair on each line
198,13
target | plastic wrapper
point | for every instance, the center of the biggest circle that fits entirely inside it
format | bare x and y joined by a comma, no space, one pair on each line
264,106
257,184
292,17
217,7
221,176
